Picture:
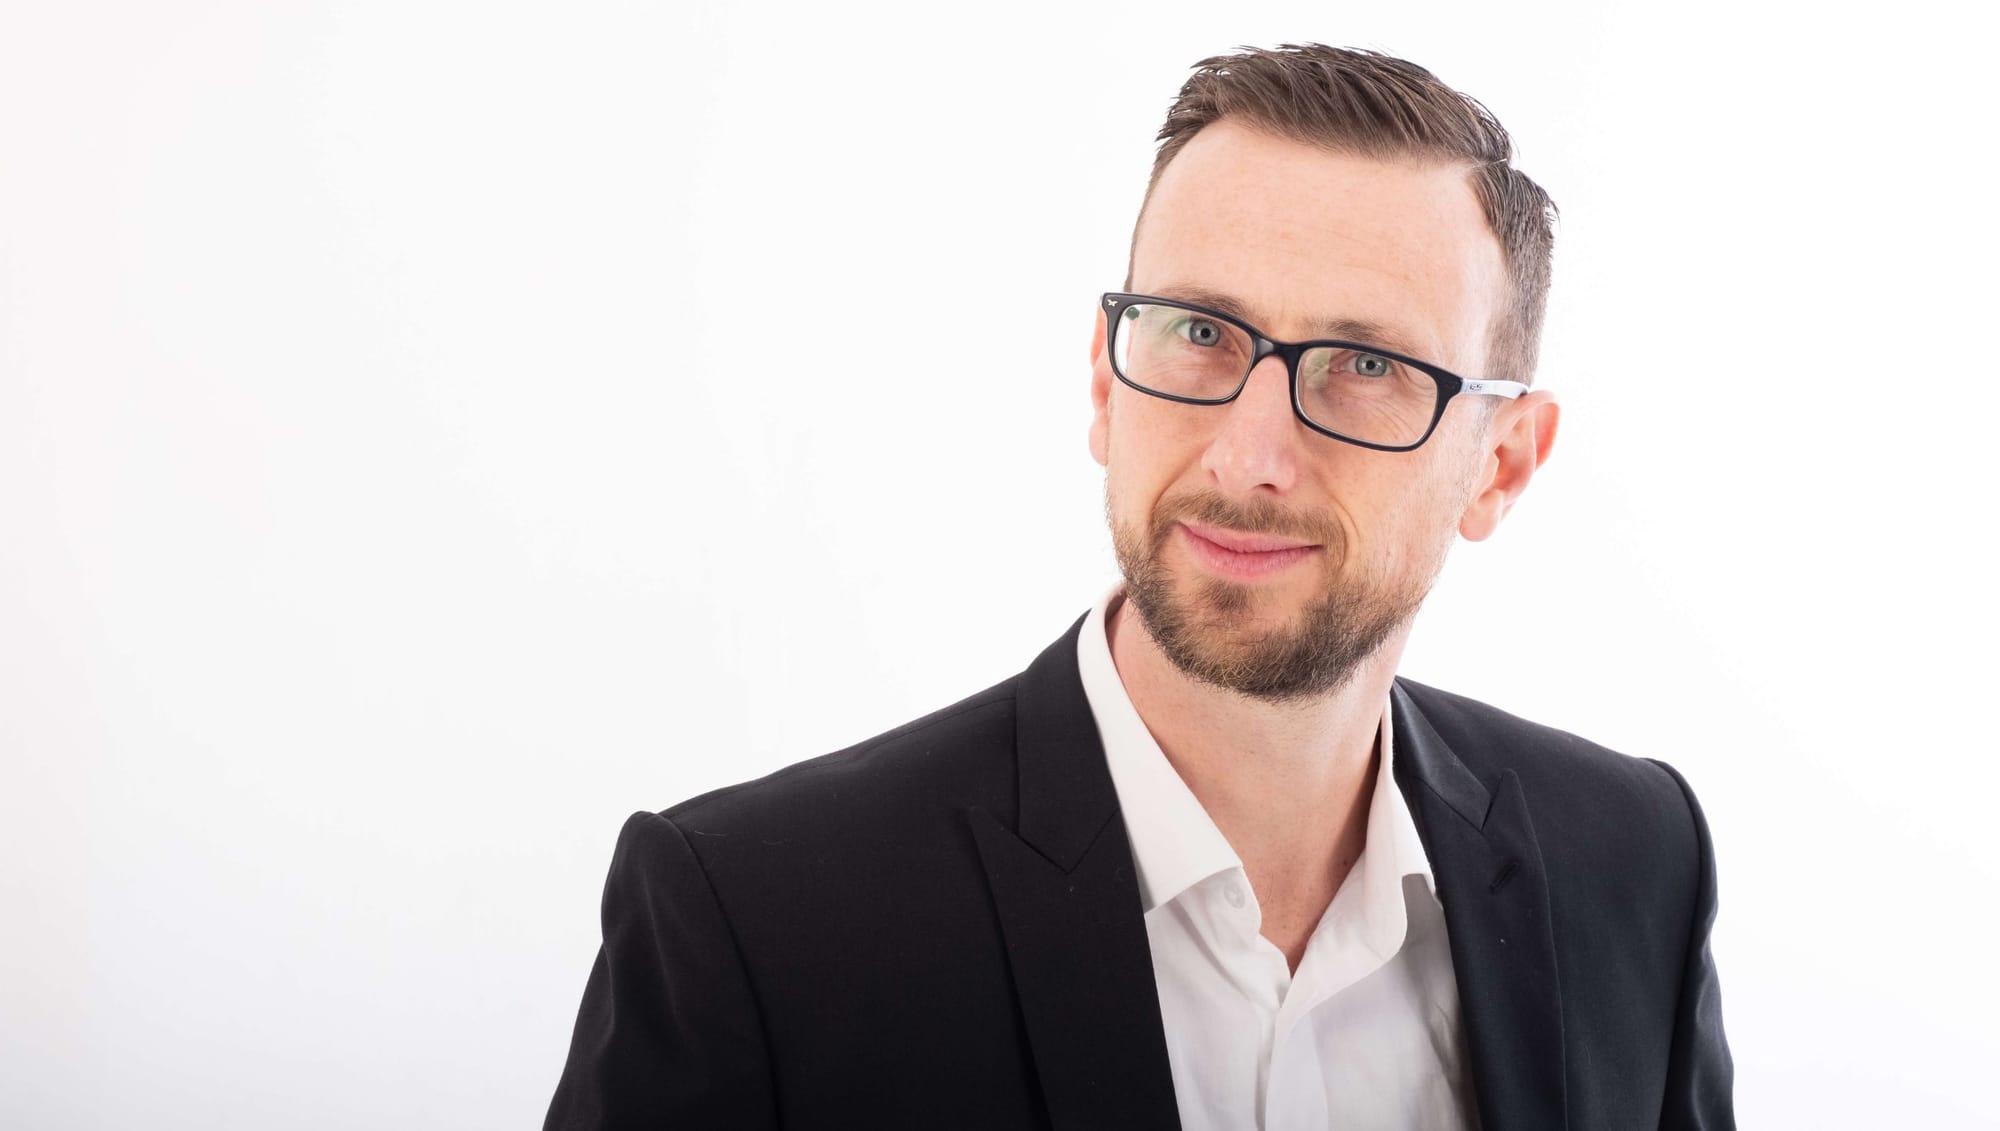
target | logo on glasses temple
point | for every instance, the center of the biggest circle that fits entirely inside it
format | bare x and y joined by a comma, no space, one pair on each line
1475,386
1111,302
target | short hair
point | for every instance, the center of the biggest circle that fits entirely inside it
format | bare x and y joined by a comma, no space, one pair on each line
1375,105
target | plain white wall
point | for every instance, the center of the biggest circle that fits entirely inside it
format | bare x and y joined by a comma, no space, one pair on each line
430,432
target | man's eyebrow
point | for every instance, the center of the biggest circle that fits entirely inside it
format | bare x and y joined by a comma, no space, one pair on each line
1363,330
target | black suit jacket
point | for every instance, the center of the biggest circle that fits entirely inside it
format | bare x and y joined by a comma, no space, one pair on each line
940,927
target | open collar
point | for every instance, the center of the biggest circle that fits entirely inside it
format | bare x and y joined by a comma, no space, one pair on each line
1176,844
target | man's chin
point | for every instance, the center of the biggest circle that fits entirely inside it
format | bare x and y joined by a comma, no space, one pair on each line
1211,630
1281,643
1230,606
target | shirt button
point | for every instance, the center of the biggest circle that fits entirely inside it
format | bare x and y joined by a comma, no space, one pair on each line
1234,893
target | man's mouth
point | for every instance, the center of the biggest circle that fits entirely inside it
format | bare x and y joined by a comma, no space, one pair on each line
1244,557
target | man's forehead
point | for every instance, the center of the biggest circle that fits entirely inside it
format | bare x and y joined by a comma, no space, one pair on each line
1299,239
1245,179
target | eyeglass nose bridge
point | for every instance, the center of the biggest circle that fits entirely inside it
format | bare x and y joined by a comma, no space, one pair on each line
1291,355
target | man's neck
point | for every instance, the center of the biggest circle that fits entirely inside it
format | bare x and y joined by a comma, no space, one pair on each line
1288,786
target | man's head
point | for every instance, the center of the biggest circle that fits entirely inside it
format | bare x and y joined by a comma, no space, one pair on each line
1309,190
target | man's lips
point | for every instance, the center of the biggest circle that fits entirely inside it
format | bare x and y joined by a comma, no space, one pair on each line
1217,552
1245,543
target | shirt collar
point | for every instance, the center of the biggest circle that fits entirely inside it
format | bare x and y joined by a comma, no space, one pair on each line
1175,844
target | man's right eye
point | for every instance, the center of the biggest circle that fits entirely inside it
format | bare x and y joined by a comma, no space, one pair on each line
1201,331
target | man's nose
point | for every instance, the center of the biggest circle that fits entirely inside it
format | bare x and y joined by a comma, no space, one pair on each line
1259,439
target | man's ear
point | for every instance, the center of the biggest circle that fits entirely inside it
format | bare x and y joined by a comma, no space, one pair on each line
1519,438
1100,395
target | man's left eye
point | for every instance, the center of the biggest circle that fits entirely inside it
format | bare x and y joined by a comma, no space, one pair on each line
1202,332
1368,365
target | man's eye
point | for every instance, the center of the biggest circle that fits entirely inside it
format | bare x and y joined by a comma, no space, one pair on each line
1201,331
1368,365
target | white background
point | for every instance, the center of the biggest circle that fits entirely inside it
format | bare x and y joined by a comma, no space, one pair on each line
420,448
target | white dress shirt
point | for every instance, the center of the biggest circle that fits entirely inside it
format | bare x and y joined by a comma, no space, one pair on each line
1365,1035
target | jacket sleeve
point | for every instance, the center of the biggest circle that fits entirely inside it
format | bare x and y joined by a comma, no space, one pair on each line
669,1034
1701,1074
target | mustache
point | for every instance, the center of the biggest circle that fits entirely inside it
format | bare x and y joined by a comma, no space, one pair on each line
1255,517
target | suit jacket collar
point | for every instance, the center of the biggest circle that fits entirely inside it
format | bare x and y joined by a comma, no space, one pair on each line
1067,894
1066,793
1068,899
1495,893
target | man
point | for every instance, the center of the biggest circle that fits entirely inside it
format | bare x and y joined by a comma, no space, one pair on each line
1207,862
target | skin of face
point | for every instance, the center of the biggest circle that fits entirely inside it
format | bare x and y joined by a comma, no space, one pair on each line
1294,236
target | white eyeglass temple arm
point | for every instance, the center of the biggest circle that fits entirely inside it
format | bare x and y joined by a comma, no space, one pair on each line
1508,389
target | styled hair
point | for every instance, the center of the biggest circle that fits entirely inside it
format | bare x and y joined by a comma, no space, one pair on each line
1375,105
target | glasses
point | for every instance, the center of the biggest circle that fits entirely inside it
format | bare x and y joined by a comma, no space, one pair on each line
1359,393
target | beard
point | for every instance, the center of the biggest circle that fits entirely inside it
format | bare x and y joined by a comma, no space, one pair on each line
1206,626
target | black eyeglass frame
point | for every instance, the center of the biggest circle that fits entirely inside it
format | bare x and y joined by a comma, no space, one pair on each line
1448,384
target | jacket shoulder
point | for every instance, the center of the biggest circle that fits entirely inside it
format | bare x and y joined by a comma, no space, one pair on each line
1491,741
1589,801
961,754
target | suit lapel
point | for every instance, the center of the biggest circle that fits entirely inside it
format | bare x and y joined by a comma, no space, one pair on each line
1068,899
1495,893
